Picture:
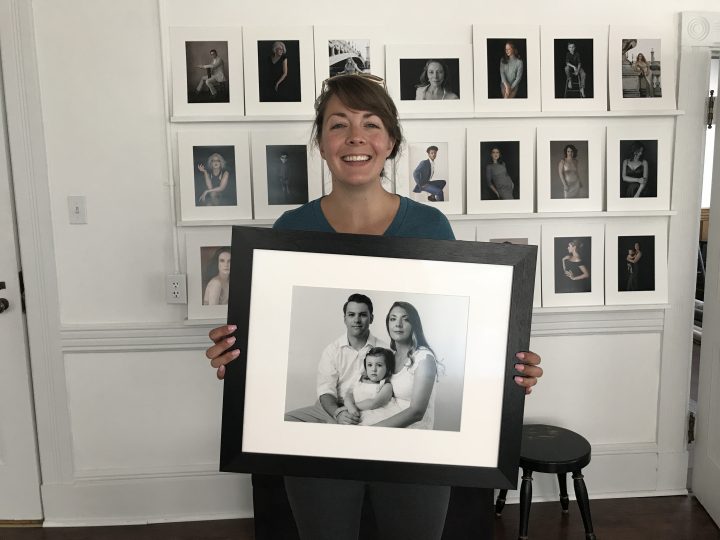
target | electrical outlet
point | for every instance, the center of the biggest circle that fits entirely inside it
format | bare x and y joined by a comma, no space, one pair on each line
176,289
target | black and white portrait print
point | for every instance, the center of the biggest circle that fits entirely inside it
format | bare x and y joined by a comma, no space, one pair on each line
207,71
569,172
638,168
636,263
573,68
215,265
287,173
396,334
499,170
279,71
348,56
507,68
641,68
429,79
214,173
573,264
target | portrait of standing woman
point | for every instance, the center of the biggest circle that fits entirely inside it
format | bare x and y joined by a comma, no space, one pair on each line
356,129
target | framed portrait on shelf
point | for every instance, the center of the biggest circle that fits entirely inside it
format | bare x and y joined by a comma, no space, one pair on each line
570,166
279,70
500,168
207,71
433,78
286,171
507,67
514,232
214,171
636,258
572,264
344,50
429,170
641,69
574,60
639,157
470,431
208,273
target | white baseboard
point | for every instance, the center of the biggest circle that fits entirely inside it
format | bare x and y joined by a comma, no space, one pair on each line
148,500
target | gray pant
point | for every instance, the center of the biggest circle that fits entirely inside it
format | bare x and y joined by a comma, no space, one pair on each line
314,414
330,509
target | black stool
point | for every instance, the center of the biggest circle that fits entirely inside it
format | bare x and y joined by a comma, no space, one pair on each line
552,449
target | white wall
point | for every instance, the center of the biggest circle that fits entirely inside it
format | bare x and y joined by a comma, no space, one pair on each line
143,408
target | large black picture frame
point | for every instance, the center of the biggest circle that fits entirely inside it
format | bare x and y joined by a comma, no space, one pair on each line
259,286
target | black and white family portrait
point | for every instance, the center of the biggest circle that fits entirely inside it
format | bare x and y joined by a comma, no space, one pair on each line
640,65
507,68
279,71
499,170
429,79
573,264
638,168
214,173
207,71
215,264
636,263
573,68
287,176
569,171
362,355
347,56
429,176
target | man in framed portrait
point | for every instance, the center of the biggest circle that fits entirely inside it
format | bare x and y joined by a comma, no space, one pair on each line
573,68
215,75
423,176
340,366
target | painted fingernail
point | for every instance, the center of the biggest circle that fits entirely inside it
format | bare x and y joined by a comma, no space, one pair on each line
520,367
232,327
235,353
230,340
518,379
520,355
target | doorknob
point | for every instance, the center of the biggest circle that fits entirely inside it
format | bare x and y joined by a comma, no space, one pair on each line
4,304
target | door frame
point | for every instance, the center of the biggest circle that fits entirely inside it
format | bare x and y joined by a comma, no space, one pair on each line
35,237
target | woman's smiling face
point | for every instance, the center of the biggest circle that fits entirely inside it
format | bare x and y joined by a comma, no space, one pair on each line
355,144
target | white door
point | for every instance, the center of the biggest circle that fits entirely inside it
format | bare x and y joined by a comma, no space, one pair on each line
19,471
706,468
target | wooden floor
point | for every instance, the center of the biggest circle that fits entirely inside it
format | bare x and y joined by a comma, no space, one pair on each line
652,518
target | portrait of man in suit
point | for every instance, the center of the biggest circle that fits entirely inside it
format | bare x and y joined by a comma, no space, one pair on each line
425,177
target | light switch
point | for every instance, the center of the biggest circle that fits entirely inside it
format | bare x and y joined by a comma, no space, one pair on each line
77,210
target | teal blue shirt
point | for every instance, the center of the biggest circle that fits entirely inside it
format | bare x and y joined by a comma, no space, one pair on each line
413,220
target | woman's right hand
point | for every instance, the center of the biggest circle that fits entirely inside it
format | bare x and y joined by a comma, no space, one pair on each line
218,353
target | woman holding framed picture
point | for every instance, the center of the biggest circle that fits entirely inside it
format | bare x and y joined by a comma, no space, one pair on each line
357,129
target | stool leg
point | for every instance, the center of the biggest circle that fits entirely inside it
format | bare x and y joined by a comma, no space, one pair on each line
525,500
500,502
564,500
581,495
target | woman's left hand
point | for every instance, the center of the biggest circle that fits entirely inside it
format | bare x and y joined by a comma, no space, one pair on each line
529,368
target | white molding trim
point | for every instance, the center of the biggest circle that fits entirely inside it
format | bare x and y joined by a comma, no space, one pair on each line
142,337
35,233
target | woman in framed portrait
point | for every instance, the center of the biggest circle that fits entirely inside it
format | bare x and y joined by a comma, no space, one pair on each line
496,176
217,290
216,177
274,73
575,269
569,173
635,172
433,84
511,71
642,68
632,267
